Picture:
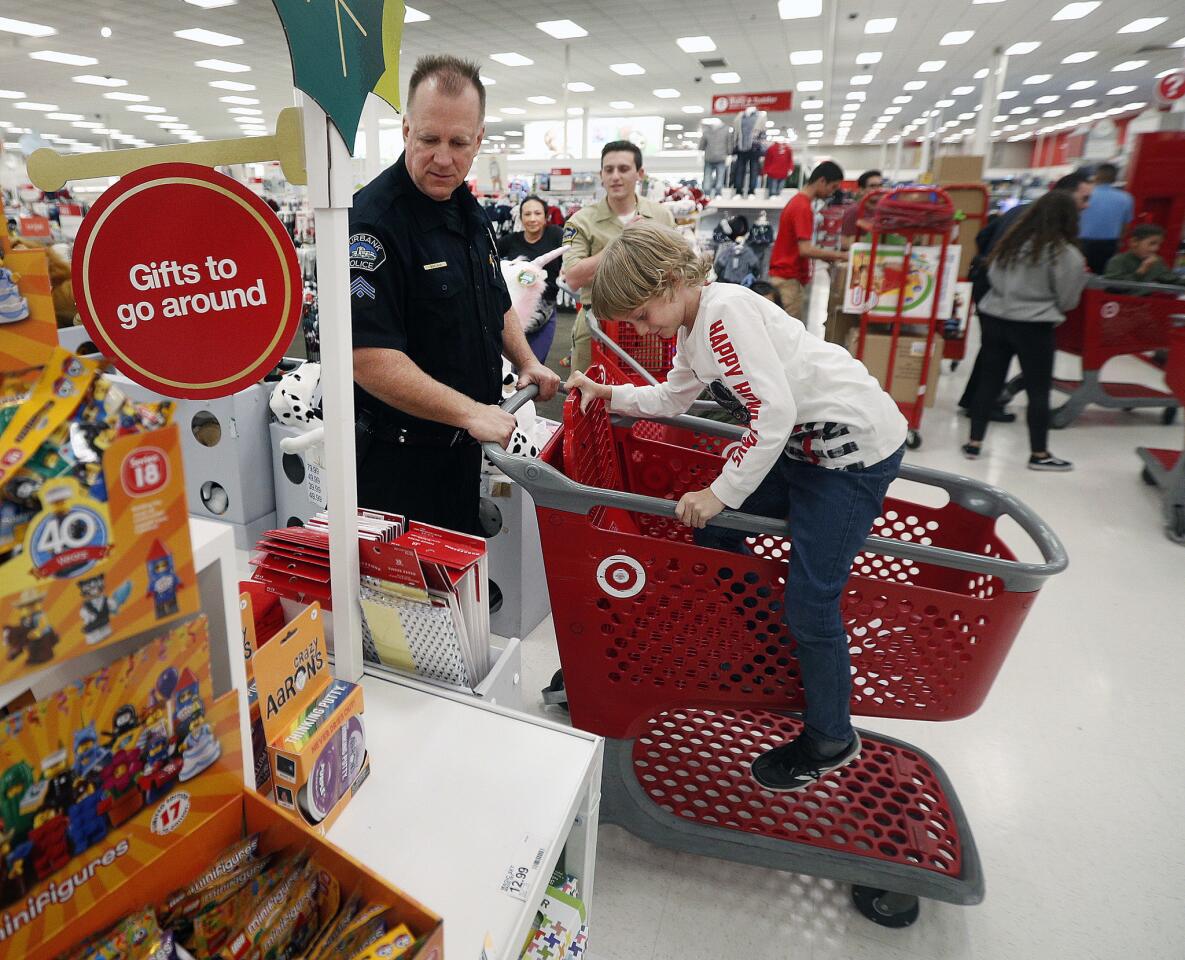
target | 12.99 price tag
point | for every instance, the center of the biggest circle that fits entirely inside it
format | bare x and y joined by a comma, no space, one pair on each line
187,281
517,880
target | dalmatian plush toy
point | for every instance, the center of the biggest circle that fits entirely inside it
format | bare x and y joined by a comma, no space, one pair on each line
296,402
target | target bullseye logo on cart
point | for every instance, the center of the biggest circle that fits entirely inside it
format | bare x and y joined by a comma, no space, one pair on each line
621,576
1110,310
187,281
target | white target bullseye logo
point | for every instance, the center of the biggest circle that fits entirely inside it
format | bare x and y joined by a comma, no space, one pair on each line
621,576
1110,310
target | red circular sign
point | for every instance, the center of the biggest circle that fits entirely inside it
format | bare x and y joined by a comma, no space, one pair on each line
144,471
187,281
1171,87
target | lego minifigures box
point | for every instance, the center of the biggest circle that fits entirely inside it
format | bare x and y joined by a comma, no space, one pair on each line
94,529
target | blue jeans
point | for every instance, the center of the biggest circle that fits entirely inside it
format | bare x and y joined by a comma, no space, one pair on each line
774,185
713,177
830,514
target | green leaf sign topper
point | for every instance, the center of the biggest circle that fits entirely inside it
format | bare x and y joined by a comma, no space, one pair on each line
365,57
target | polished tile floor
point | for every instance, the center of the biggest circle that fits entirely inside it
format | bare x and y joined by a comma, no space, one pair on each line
1072,774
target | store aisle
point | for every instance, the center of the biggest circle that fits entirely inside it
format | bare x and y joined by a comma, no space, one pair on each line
1071,774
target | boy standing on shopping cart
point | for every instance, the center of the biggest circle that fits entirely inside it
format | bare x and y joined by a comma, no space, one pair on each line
823,442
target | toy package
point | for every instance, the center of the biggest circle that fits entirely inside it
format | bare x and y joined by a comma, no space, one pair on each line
560,930
890,281
94,530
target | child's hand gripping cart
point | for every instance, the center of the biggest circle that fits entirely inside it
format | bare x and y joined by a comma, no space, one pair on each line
1165,469
894,286
678,654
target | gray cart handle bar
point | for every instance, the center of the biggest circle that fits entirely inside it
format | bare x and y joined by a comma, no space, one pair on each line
1133,286
550,488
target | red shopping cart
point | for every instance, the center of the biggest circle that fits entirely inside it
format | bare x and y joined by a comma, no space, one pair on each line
633,357
679,656
1165,469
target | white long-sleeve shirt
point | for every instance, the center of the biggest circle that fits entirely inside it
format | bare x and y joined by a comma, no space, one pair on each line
801,396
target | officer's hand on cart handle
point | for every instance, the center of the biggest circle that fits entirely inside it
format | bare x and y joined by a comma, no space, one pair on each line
490,424
696,509
545,379
590,390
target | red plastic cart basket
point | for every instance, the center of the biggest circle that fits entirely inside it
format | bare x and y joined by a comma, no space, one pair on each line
1165,469
678,654
631,357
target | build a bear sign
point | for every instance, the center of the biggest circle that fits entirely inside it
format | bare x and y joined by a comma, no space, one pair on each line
187,281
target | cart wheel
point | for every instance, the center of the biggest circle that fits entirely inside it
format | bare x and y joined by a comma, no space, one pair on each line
1168,415
882,907
554,693
913,440
1176,529
1146,476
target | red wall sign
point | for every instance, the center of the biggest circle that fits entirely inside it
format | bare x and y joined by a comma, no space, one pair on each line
187,281
34,226
1171,87
736,102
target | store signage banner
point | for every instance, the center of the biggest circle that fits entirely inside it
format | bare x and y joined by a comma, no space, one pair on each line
187,281
776,101
1171,88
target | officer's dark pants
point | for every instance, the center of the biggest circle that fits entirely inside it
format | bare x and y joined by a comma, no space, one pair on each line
437,485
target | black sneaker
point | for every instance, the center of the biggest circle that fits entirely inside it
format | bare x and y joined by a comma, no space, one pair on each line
794,765
1050,464
971,451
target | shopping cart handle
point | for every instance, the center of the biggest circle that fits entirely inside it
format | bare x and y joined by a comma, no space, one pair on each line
1095,282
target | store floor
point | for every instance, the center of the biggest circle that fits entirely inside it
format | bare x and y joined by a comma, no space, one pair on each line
1072,774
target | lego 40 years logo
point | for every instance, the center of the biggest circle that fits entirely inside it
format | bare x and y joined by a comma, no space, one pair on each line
68,541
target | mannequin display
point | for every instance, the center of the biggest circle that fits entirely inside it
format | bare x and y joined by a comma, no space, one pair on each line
749,140
716,141
779,161
761,239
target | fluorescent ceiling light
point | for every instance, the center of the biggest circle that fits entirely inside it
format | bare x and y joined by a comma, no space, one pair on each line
693,109
579,86
562,29
696,44
25,28
1081,84
869,58
667,93
980,74
412,15
627,69
726,77
861,80
161,118
144,108
575,111
512,110
813,117
493,118
892,111
1049,99
100,81
1082,104
962,116
1120,91
621,104
1178,43
1038,78
226,66
246,101
799,9
1142,25
63,116
811,104
198,35
128,97
809,86
512,59
955,38
1053,113
232,85
880,25
1008,95
673,126
902,99
915,85
211,4
856,95
174,126
11,95
541,100
71,59
1020,49
87,124
1128,65
1018,110
943,104
1080,57
246,111
487,81
514,133
931,66
801,58
961,91
1076,11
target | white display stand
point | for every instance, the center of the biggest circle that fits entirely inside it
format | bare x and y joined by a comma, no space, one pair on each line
751,203
456,786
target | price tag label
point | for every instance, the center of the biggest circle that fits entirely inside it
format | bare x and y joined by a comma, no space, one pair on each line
517,880
315,483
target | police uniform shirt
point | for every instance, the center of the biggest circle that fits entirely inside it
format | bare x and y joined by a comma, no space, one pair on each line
590,230
424,280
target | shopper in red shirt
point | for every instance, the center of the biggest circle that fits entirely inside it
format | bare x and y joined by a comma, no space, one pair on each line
779,161
794,247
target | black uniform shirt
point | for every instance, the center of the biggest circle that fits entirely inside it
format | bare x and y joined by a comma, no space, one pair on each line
424,279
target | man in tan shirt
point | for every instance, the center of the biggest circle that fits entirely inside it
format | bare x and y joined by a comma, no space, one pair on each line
589,231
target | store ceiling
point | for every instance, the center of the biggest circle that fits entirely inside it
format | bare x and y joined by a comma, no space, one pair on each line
749,36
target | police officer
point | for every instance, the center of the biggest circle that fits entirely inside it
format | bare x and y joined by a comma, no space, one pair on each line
589,231
431,312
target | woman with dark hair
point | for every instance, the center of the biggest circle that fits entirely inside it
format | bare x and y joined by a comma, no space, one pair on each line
536,238
1037,273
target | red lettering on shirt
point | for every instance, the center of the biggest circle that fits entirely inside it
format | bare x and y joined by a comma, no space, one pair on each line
726,354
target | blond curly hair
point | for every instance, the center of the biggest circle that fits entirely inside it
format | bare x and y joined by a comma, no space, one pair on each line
645,262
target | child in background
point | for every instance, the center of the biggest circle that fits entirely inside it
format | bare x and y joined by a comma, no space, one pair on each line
823,443
1141,262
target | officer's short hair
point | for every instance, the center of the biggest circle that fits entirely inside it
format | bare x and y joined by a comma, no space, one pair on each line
451,75
623,146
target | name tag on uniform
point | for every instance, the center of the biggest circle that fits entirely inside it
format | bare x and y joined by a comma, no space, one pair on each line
435,266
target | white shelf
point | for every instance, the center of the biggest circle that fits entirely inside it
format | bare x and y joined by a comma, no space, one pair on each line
455,786
751,203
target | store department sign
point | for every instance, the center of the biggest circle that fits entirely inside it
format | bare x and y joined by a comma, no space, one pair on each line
1171,88
725,103
187,281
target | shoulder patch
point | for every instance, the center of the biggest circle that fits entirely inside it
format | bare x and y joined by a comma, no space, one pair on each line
366,252
569,235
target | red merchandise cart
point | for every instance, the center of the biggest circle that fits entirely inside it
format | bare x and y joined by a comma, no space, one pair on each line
678,654
922,216
637,357
1115,318
1165,469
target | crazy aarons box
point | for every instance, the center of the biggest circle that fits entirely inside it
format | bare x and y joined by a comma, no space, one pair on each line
94,529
